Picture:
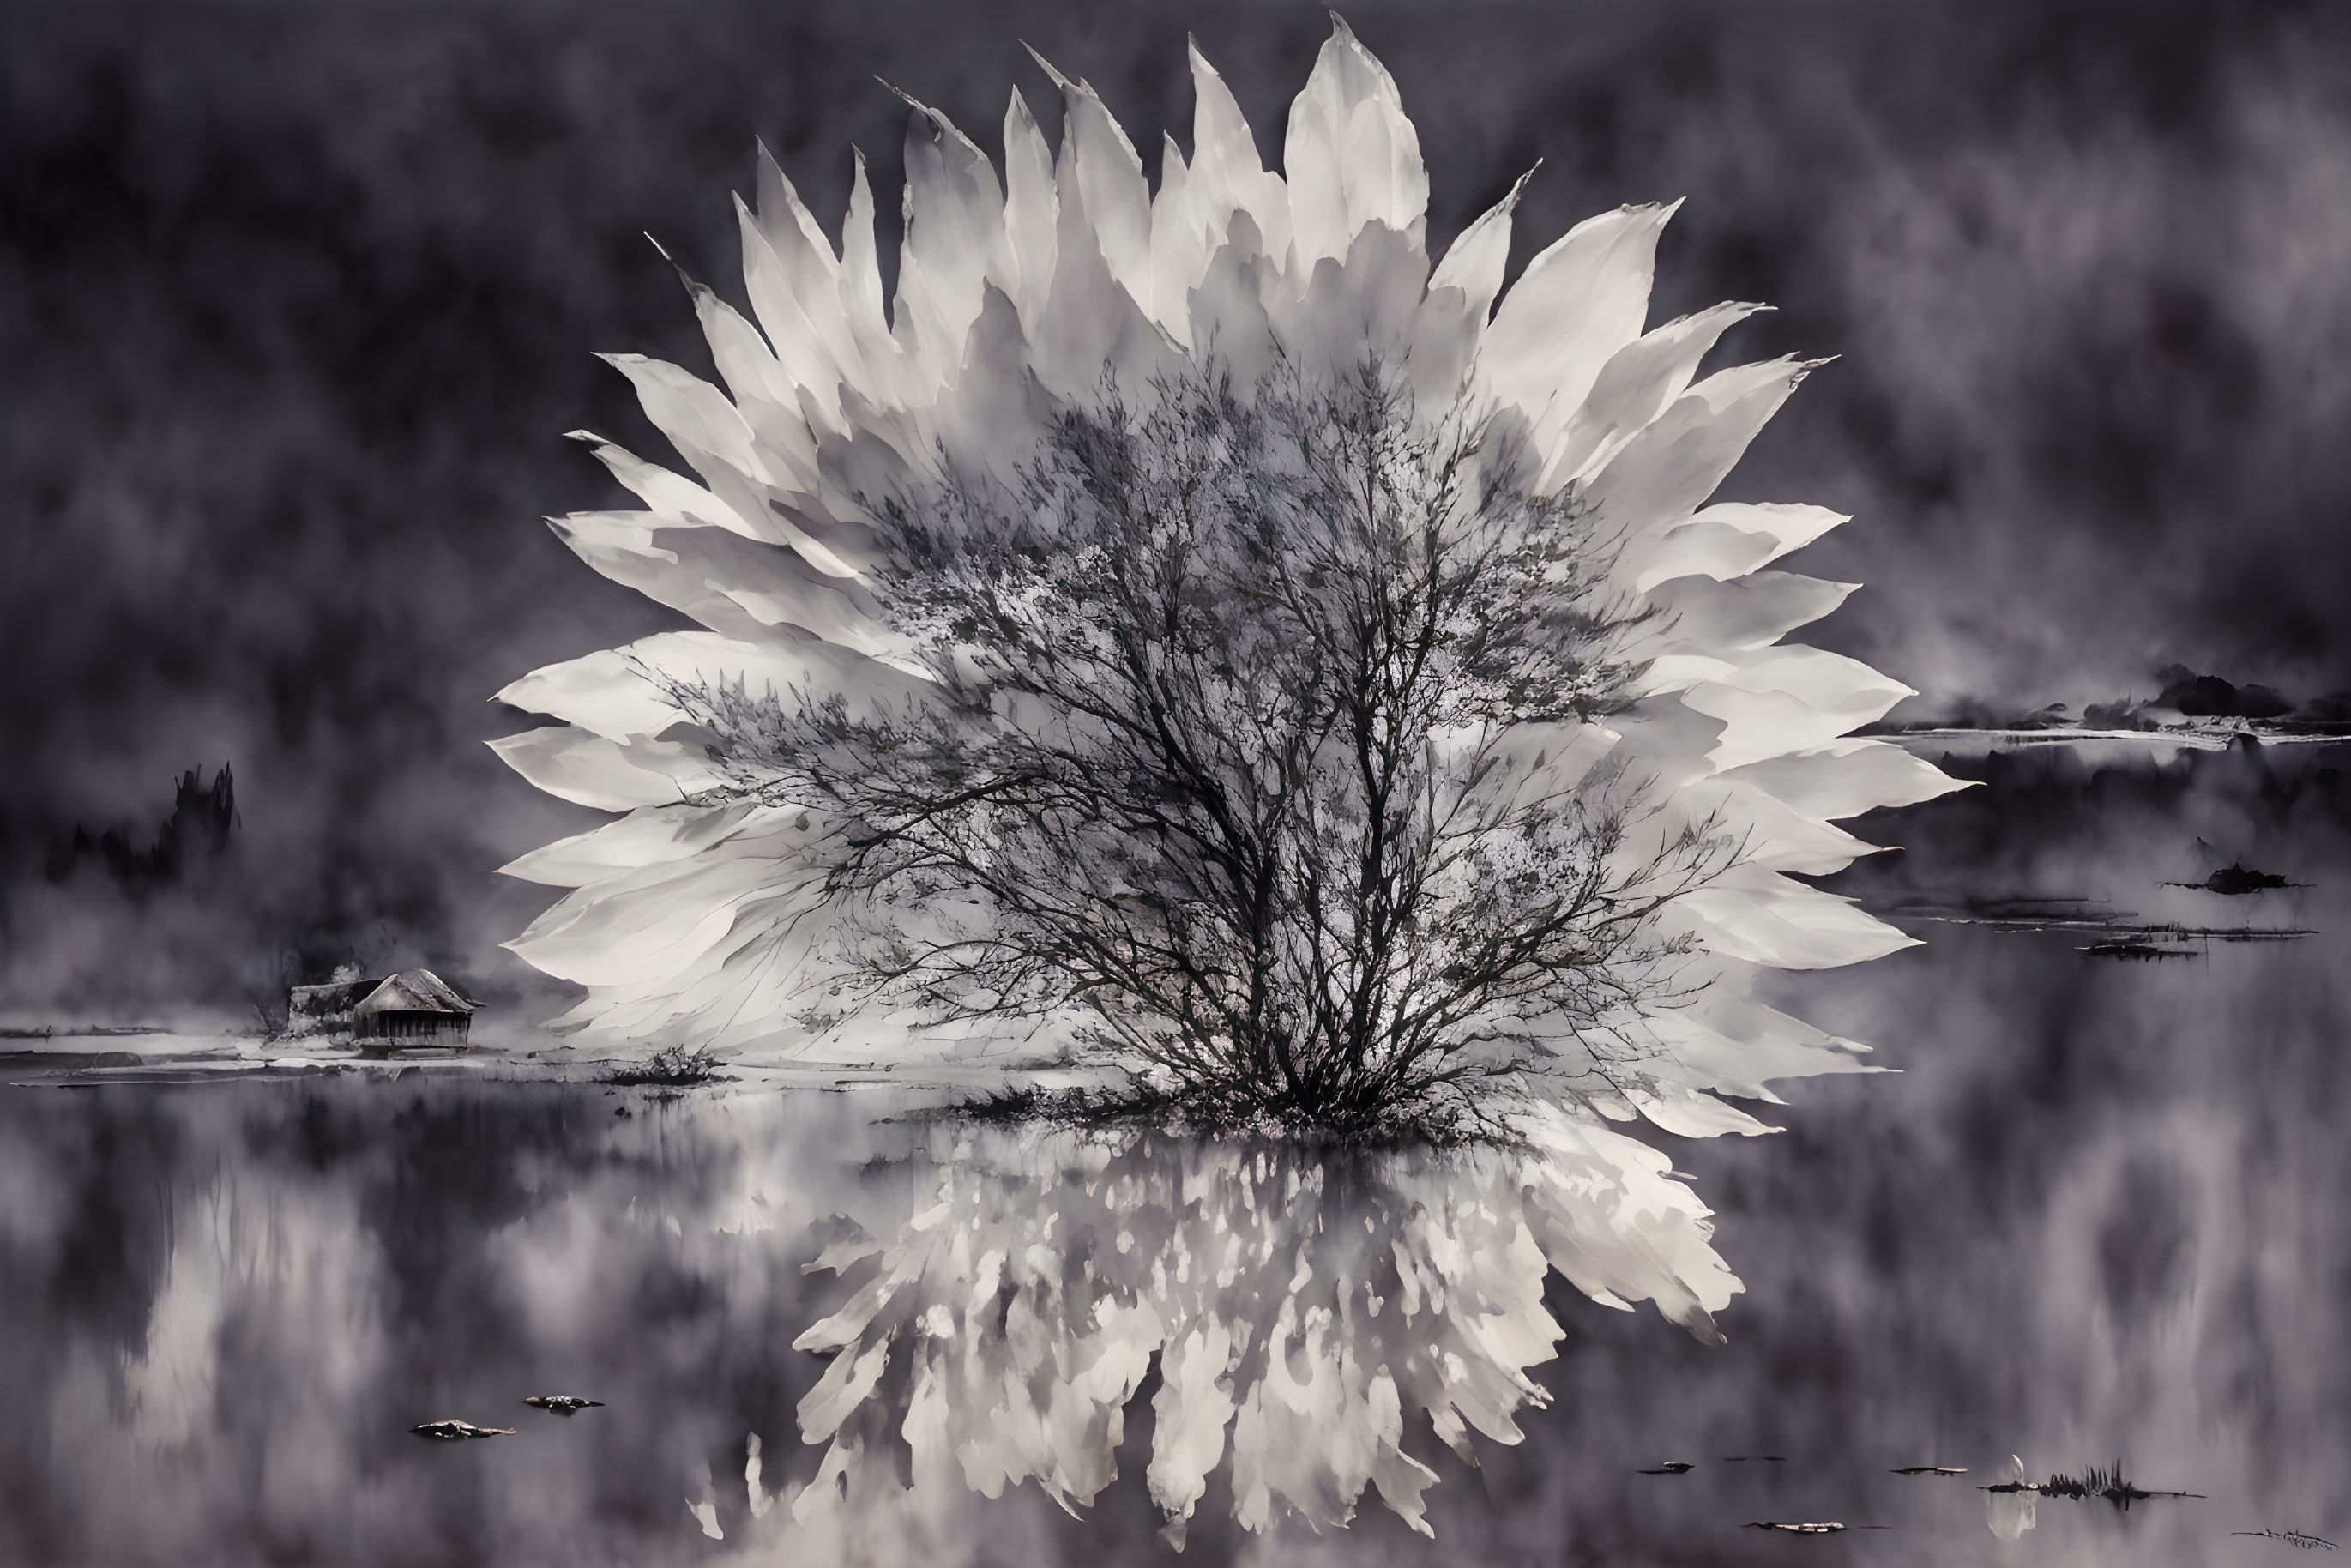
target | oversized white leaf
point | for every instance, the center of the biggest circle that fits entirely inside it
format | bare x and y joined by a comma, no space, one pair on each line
1351,156
1027,294
586,768
1667,470
1579,301
1760,916
1846,777
1031,211
1225,174
954,242
1100,174
630,691
646,836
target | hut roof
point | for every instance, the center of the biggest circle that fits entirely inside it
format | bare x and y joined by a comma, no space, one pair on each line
415,991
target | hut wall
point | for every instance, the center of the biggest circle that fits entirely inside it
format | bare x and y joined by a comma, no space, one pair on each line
417,1027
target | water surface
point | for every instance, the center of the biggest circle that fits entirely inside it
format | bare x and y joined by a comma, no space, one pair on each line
2100,1214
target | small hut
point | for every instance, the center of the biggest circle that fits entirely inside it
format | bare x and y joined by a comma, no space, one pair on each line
415,1006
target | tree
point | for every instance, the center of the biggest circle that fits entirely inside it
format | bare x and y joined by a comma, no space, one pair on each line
1264,753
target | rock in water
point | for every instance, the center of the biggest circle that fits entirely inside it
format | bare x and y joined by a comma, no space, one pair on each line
1825,1527
458,1431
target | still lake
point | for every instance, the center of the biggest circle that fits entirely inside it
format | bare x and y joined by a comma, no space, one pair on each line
2102,1213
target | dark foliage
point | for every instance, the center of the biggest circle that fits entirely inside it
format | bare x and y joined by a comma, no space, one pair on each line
675,1068
2236,879
2209,696
203,819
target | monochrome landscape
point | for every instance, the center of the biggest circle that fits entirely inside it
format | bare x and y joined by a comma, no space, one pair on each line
1578,797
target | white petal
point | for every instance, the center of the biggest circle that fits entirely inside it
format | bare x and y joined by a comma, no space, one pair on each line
810,273
1180,244
1665,472
734,500
1700,615
1101,174
589,770
657,925
1351,156
811,356
645,926
1848,778
861,296
737,587
1640,380
1772,833
1476,260
1227,310
1452,319
1031,211
1356,310
793,233
1227,175
1724,542
766,394
993,423
707,430
1786,526
1580,300
619,693
1729,1043
1532,763
647,836
1665,742
954,242
1093,322
1760,916
673,498
1690,1113
1791,699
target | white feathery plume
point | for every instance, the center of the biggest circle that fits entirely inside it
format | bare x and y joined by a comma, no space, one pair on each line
695,922
1315,1321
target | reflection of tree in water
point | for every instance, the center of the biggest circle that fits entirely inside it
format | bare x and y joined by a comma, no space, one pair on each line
1315,1319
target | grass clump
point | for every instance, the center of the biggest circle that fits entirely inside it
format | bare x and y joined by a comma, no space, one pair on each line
675,1068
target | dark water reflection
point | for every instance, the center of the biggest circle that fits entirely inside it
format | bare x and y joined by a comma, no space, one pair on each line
2102,1213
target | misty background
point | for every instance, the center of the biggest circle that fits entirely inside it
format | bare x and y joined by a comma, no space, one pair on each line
299,299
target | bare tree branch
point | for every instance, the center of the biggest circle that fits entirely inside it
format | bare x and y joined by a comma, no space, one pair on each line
1232,764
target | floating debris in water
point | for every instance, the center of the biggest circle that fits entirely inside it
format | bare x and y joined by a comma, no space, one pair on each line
1929,1470
2292,1537
2236,879
2134,949
1821,1527
458,1431
673,1067
1758,1459
1669,1467
563,1403
2116,933
2108,1483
